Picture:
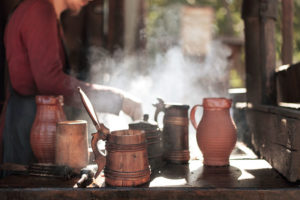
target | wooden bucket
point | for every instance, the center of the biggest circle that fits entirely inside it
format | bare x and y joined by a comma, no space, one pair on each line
127,159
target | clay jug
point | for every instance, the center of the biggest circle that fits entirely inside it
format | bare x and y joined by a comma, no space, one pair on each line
43,131
216,132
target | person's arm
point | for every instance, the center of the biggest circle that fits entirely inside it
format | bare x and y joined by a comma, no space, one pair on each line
41,37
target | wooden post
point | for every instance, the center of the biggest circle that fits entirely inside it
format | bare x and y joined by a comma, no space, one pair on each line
116,25
250,14
94,24
141,32
287,31
259,17
268,14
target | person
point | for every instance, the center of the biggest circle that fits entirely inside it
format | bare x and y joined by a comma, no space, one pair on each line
36,60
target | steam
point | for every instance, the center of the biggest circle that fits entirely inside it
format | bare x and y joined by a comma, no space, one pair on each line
172,76
168,73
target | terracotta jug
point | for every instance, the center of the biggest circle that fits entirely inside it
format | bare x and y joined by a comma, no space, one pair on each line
216,132
43,131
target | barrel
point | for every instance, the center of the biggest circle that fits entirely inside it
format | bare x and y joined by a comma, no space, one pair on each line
127,159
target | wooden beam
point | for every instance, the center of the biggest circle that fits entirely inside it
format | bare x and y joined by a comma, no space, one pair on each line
94,24
259,17
116,25
250,13
287,31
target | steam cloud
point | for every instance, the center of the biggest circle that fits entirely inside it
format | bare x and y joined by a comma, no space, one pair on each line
168,74
172,77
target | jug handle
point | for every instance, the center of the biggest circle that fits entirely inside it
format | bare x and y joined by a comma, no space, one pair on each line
100,158
192,115
160,107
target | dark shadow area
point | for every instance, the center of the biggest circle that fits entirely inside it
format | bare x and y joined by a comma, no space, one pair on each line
215,177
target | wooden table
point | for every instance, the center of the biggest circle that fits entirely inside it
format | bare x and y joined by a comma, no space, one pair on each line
247,177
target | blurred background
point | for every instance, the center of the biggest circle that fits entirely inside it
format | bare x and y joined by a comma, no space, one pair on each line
178,50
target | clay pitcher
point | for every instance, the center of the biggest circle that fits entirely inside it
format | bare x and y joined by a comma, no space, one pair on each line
43,131
216,132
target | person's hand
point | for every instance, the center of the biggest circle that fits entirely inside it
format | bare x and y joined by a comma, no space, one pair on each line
132,107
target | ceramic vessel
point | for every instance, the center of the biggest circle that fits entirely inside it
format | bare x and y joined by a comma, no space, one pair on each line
216,132
43,131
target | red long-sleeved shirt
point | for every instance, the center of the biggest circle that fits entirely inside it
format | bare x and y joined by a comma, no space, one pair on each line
34,51
36,58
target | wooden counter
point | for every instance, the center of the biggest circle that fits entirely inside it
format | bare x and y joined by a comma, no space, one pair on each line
245,178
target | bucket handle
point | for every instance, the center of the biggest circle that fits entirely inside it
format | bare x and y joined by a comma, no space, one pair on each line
192,115
101,134
100,158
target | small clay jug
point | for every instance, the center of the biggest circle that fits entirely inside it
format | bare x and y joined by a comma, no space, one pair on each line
43,131
216,132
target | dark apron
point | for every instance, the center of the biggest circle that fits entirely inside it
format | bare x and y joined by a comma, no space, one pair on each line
19,117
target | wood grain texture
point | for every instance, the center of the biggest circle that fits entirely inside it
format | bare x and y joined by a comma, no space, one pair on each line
275,136
287,31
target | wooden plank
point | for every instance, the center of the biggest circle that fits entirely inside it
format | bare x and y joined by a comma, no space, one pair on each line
287,31
275,136
288,84
151,194
244,172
